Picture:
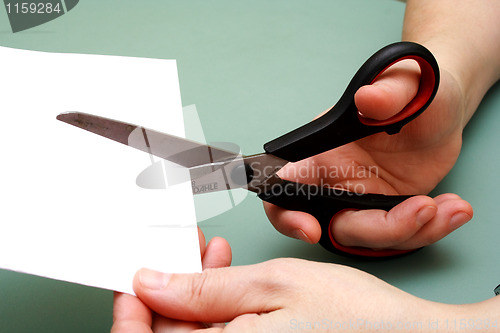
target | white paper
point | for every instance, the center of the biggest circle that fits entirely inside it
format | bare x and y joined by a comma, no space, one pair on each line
71,209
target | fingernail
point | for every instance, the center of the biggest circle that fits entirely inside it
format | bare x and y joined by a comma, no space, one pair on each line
154,280
300,234
459,219
425,214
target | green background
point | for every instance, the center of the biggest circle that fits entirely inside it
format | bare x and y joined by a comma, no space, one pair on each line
256,70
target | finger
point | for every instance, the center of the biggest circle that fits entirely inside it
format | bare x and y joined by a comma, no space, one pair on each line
201,239
125,326
210,330
445,197
217,254
294,224
130,314
379,229
452,213
216,295
167,325
390,93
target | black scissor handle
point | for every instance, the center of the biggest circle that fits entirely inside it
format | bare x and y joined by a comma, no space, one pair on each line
343,123
325,203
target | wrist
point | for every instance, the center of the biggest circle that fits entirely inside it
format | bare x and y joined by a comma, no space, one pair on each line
456,68
476,317
464,39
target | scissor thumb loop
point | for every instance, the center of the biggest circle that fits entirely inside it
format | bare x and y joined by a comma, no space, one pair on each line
390,92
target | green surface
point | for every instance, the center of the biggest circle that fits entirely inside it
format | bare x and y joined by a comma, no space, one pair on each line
255,70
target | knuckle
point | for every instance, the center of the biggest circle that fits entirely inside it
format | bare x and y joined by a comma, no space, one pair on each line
428,239
197,285
279,275
397,232
395,236
281,266
198,289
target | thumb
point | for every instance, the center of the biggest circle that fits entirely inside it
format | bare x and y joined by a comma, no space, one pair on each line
391,92
216,295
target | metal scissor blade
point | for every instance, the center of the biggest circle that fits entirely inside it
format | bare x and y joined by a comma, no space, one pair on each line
255,173
175,149
210,169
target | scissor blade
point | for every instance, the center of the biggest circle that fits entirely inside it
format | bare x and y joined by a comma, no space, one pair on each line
175,149
251,172
210,169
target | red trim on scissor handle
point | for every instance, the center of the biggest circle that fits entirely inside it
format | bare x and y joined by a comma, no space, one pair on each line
325,203
424,93
343,124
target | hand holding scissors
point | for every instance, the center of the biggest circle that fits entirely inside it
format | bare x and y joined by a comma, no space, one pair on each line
342,124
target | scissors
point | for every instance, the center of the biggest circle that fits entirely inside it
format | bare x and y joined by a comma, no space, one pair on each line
212,169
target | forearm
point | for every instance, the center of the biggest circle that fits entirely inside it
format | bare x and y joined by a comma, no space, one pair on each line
476,317
464,35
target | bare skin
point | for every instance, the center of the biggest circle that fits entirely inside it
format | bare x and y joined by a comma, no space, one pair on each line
415,160
435,137
283,294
